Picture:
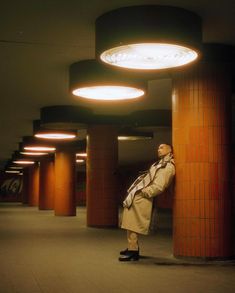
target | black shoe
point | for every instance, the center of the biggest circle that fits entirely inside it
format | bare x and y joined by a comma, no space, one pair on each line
131,255
124,252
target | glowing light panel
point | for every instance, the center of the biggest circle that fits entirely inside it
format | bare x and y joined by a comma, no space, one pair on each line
80,161
33,153
12,171
22,162
81,154
55,135
149,56
125,138
109,92
40,149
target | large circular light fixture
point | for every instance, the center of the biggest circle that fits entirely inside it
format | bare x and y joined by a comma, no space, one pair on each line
91,80
34,153
23,162
108,92
55,135
149,56
39,148
52,134
148,37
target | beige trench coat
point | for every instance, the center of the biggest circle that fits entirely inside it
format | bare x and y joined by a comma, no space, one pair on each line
138,217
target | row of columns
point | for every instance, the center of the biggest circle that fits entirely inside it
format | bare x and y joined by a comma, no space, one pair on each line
51,184
202,210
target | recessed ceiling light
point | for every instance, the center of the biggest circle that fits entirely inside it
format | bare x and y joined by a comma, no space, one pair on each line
55,135
148,37
39,148
33,153
23,162
92,80
148,56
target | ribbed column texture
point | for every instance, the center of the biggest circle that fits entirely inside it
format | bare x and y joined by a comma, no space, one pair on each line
102,161
65,201
34,185
46,185
201,139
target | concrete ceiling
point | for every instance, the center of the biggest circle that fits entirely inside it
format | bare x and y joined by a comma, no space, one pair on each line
40,39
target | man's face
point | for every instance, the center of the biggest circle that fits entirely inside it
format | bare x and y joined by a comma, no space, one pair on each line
163,150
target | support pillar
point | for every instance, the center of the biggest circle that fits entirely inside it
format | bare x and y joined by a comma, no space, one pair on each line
233,205
25,190
34,185
202,146
65,201
47,184
102,161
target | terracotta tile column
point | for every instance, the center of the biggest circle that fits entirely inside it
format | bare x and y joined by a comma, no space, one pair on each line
233,184
34,184
65,201
47,184
25,190
102,160
201,139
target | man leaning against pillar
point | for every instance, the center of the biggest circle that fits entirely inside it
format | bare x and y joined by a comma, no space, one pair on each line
139,201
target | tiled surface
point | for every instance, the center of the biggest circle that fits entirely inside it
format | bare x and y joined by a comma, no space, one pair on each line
43,253
102,161
202,203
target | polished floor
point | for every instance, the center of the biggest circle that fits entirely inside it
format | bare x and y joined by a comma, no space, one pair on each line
43,253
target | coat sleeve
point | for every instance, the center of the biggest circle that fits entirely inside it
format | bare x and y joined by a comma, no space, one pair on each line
162,180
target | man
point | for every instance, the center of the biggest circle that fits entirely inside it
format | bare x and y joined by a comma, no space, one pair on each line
139,201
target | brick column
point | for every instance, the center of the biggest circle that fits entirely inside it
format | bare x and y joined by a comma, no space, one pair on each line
47,184
102,160
65,201
202,146
34,184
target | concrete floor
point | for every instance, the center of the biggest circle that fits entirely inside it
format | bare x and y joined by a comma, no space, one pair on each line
43,253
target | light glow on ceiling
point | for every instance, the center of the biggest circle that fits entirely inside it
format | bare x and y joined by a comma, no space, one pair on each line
108,92
39,149
133,138
149,56
12,171
80,161
23,162
81,155
33,153
55,135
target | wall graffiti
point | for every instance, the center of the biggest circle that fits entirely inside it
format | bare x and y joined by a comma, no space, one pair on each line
10,188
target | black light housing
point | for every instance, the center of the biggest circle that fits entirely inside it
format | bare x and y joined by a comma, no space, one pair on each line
91,79
145,37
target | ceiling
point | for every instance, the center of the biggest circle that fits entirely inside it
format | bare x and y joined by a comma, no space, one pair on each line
40,39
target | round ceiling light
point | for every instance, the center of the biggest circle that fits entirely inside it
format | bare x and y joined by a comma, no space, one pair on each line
81,155
148,37
55,135
39,148
80,161
133,138
23,162
149,56
106,92
92,80
33,153
16,167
